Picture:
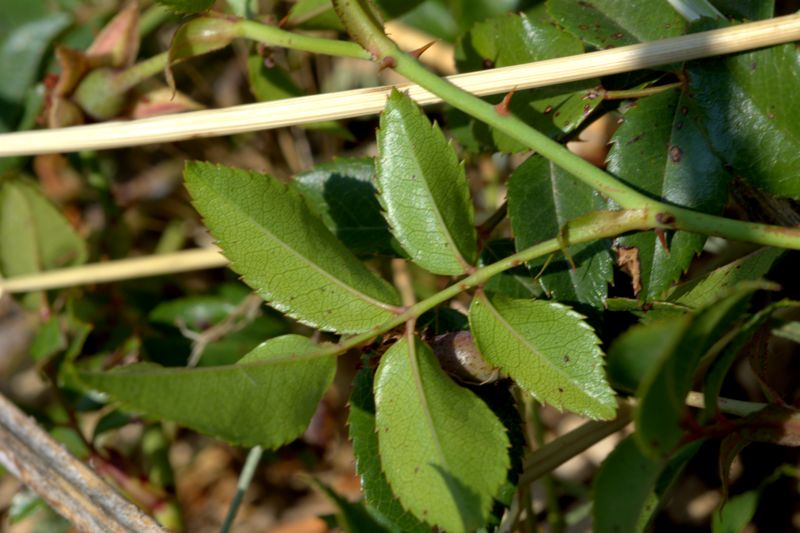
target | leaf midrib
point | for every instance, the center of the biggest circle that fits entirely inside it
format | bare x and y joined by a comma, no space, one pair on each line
525,343
427,189
303,259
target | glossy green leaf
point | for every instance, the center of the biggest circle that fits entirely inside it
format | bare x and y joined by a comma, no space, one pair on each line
443,451
22,47
267,399
285,252
636,352
746,9
630,486
542,198
661,149
343,195
423,189
547,349
610,23
752,114
516,282
187,6
705,289
377,492
514,39
663,390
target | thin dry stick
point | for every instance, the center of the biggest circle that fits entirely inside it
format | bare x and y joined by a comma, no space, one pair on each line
360,102
68,485
138,267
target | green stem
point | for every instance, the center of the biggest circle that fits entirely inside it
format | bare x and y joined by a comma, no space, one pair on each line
253,457
594,226
136,74
360,23
274,36
640,93
152,18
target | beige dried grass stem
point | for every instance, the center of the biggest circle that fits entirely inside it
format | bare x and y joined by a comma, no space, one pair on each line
360,102
123,269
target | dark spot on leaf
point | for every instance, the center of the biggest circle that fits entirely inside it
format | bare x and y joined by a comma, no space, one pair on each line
557,113
587,109
488,63
583,27
617,35
675,154
548,109
636,138
566,359
684,110
560,389
416,469
753,65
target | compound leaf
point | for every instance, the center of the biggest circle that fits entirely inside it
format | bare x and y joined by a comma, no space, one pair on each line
542,198
547,349
285,252
266,399
424,190
660,149
443,451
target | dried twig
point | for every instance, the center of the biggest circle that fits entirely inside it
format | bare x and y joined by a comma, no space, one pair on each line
67,485
360,102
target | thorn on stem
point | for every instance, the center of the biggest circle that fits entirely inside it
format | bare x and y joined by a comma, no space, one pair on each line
421,50
502,107
662,238
388,62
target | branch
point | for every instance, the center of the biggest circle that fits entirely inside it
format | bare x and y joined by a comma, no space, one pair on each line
66,484
362,102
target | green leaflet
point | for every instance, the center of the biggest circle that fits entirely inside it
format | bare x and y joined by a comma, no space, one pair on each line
34,235
377,492
511,40
629,487
285,252
267,399
736,513
342,194
752,114
702,291
423,190
660,149
444,453
542,198
547,349
609,23
665,385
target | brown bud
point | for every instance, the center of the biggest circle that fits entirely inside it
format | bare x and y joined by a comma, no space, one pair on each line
459,357
161,101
